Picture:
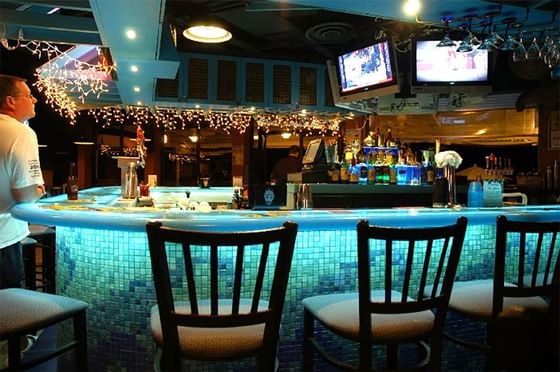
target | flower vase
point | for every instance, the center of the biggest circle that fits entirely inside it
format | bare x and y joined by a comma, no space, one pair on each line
449,174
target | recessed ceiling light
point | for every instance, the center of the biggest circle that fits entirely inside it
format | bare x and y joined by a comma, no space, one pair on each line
139,103
134,68
206,33
137,89
131,34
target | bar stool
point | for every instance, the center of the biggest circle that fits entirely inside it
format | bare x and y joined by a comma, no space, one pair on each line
219,315
526,276
390,307
25,312
43,237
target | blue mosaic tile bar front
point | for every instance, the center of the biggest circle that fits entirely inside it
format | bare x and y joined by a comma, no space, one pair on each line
111,271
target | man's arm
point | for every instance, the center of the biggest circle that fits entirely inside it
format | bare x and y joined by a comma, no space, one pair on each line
28,194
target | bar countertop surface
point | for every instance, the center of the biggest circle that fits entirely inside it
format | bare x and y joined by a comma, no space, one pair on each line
100,208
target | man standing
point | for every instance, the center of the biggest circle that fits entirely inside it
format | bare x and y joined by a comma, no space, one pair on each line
21,179
289,164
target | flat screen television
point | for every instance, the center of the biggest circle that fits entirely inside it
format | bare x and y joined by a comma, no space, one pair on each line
443,69
364,73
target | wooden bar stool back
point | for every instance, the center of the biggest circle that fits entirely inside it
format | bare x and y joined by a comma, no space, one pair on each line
224,300
394,267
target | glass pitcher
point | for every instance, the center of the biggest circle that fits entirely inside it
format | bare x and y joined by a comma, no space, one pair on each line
492,191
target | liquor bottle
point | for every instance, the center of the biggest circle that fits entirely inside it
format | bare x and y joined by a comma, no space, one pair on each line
555,175
429,172
362,168
235,199
380,140
72,183
344,171
392,174
389,140
354,171
245,198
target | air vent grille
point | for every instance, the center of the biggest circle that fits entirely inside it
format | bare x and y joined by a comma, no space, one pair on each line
281,84
254,84
198,78
308,86
168,88
227,81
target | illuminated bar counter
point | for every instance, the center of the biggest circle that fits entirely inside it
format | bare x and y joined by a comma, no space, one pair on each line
103,257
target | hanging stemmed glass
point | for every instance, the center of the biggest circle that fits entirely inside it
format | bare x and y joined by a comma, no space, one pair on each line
534,52
519,53
470,40
510,42
547,50
492,41
446,41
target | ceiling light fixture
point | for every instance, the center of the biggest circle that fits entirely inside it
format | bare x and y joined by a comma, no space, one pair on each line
194,139
131,34
411,7
207,33
286,135
134,68
137,89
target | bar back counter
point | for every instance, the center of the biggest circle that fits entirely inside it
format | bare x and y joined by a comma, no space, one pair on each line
103,257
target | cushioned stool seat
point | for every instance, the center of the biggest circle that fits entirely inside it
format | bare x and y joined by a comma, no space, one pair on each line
339,313
475,298
209,344
24,311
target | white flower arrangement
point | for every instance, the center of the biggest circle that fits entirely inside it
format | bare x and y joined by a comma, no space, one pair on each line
448,158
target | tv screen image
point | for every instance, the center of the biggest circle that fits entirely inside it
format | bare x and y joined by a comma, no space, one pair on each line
447,66
364,68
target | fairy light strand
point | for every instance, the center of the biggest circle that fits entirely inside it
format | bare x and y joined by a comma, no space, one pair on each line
59,84
177,119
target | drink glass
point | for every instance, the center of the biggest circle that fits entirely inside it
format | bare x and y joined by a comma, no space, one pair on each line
440,193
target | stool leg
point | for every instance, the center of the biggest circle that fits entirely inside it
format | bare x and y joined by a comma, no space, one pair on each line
49,264
80,334
392,352
14,353
29,263
308,326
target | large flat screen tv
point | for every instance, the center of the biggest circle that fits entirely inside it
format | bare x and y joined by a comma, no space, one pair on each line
364,73
444,67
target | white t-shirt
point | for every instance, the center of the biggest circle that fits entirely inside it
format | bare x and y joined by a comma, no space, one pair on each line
19,168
